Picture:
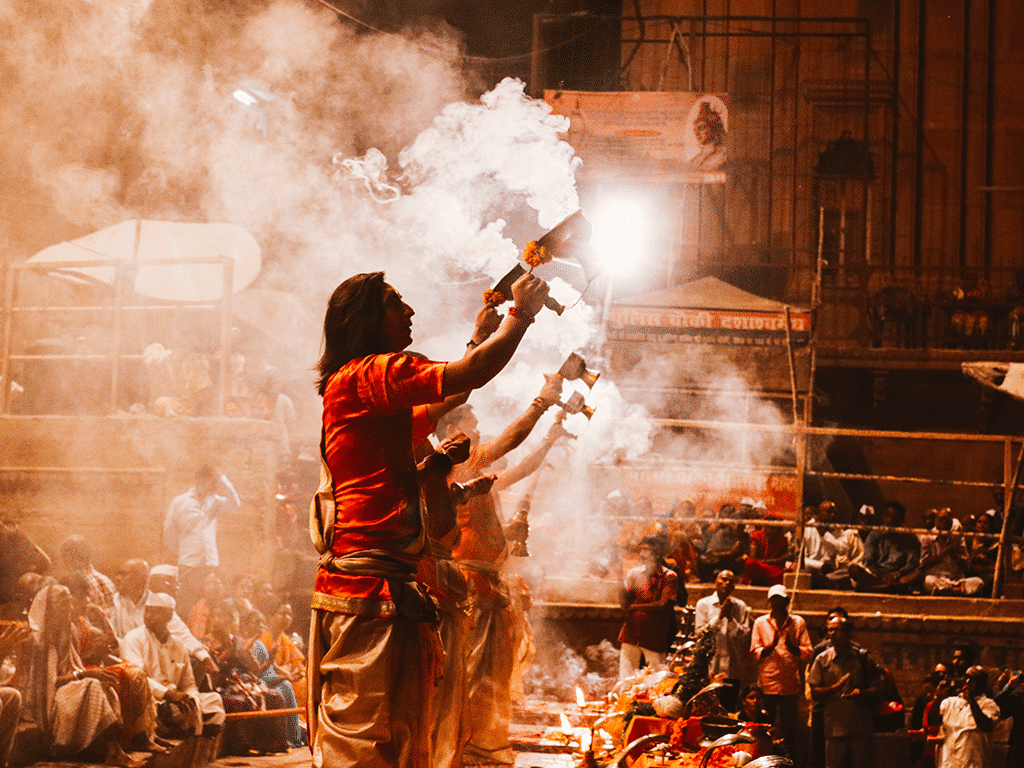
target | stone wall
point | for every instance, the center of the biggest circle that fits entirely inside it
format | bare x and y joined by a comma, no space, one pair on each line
111,480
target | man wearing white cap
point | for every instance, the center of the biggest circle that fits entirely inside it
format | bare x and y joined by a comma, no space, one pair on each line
781,645
166,662
130,605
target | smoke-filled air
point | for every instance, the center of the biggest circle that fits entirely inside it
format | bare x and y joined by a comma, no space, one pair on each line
340,150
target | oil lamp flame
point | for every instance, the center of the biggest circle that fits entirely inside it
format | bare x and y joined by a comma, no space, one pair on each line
566,726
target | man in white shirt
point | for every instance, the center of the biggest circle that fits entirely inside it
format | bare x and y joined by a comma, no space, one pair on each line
166,662
130,605
967,723
731,617
190,529
829,551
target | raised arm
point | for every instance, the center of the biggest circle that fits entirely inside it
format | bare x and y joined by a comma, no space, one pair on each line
485,361
516,432
532,461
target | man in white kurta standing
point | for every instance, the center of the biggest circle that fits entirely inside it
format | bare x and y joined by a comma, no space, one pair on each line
731,618
190,530
967,723
166,662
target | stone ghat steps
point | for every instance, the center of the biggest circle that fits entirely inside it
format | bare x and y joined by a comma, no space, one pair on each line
195,752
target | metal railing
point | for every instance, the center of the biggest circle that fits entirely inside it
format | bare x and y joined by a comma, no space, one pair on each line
801,435
118,309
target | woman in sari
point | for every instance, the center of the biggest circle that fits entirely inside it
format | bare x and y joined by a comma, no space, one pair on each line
237,681
289,661
76,707
252,629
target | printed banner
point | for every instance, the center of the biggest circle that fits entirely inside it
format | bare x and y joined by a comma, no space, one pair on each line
706,326
669,136
707,487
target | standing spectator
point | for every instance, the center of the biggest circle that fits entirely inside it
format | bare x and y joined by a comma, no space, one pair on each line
967,724
844,678
649,601
1011,704
77,556
817,758
780,645
190,529
731,616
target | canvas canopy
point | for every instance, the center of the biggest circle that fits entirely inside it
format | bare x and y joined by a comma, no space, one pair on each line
706,311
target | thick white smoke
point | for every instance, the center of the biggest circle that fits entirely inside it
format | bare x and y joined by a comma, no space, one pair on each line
340,150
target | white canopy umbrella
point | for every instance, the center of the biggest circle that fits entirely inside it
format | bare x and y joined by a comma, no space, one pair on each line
172,260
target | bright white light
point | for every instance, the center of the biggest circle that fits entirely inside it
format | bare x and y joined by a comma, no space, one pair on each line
245,97
622,232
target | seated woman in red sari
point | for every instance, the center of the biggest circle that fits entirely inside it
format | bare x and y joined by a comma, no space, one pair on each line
770,552
373,623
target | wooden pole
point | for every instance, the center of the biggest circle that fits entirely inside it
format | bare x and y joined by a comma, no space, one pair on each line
5,361
1008,498
792,366
225,334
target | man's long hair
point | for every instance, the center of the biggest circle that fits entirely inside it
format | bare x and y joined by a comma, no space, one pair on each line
353,325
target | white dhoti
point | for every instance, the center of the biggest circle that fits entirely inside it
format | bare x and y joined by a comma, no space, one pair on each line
490,660
450,728
83,710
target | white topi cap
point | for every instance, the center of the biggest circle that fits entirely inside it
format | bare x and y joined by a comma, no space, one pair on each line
160,600
164,570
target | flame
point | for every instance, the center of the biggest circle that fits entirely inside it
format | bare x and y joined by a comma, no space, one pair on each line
566,727
581,700
585,740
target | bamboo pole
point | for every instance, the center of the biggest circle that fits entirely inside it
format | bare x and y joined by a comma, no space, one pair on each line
1008,497
260,713
5,367
792,366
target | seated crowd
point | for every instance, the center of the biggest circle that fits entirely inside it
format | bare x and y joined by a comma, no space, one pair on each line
103,667
873,553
